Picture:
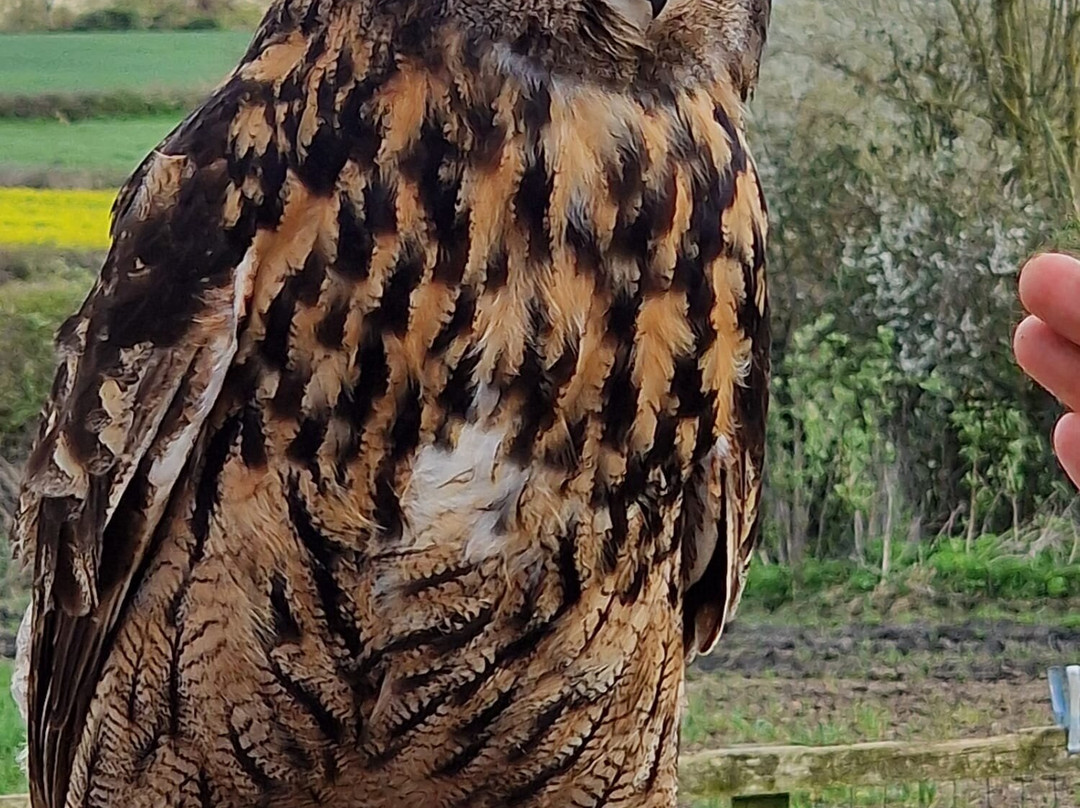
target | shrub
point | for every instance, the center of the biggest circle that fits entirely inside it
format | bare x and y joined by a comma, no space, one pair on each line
769,585
107,19
202,24
817,575
109,104
30,313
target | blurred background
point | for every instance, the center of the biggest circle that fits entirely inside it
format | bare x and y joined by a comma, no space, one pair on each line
921,559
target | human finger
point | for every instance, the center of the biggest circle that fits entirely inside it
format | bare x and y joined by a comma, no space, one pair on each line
1050,289
1050,359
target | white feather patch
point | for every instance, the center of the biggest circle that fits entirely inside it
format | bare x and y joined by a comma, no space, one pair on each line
471,485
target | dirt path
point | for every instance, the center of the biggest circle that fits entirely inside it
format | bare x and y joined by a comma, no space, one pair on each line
973,651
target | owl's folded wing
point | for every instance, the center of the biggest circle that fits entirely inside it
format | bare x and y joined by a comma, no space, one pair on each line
142,363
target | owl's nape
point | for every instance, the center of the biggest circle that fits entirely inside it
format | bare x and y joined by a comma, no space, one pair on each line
444,452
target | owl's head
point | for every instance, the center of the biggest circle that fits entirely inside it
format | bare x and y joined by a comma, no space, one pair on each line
624,40
695,34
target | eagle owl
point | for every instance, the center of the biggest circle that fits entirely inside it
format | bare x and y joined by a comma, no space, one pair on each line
410,442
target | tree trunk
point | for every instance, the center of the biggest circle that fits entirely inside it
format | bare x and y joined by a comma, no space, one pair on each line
800,515
860,552
890,502
969,539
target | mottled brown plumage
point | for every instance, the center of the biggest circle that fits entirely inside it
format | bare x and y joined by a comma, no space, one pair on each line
411,440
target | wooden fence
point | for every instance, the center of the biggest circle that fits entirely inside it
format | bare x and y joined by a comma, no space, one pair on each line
765,776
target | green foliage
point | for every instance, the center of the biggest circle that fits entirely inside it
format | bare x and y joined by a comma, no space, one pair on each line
832,400
31,310
168,17
899,223
819,575
770,585
180,16
12,736
111,107
1066,238
106,19
990,569
201,24
132,15
985,570
999,447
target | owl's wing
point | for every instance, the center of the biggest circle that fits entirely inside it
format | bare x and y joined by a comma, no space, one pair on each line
142,363
719,521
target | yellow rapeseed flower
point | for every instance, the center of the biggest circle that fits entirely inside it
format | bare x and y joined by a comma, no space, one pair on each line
66,219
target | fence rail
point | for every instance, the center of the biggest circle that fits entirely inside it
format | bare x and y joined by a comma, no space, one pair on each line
746,771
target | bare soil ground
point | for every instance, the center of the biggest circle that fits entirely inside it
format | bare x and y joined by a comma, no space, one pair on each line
978,651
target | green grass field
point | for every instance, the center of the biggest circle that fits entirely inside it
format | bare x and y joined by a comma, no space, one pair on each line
99,152
130,60
98,146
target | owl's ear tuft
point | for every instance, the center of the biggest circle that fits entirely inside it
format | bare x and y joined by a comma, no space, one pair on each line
749,61
621,25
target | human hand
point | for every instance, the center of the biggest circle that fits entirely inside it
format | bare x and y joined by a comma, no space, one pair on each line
1047,343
